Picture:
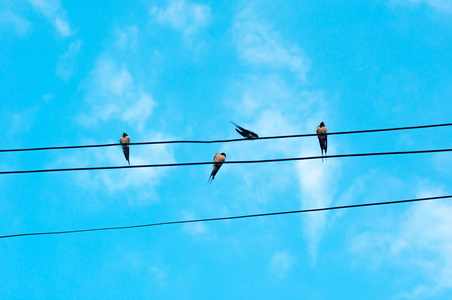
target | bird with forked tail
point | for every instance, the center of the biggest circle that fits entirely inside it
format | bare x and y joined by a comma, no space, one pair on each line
321,134
125,141
219,158
245,133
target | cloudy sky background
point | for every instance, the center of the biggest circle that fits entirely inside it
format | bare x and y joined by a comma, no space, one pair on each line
83,72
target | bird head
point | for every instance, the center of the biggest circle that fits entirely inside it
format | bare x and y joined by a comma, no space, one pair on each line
322,124
124,134
224,154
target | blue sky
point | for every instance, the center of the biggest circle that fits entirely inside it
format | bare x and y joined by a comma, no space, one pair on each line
84,72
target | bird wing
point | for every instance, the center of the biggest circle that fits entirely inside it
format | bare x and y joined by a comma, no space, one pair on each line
239,127
326,143
125,146
215,168
126,153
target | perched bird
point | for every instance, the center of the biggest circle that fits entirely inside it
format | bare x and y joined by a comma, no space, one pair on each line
245,133
219,158
321,134
125,141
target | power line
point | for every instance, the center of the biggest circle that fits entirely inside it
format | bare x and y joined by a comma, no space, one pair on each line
226,162
224,218
225,141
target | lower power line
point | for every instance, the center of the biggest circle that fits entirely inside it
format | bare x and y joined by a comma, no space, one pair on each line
224,218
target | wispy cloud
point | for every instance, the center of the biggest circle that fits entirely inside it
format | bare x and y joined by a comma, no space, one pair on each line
420,240
66,62
317,187
137,186
55,14
444,6
114,95
189,18
9,19
279,64
281,262
20,122
193,228
261,45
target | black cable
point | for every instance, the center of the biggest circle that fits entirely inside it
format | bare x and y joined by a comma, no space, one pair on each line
227,162
225,218
225,141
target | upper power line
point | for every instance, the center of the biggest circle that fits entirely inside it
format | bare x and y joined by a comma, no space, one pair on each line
223,218
228,140
228,162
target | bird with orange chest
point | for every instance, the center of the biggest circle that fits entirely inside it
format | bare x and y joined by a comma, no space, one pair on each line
125,141
219,158
321,134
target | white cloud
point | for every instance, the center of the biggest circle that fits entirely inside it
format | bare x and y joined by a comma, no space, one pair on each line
280,107
440,5
9,19
301,112
127,37
420,240
259,44
144,262
47,97
317,187
281,262
443,162
124,181
62,27
184,16
261,98
113,95
65,65
193,228
20,122
55,14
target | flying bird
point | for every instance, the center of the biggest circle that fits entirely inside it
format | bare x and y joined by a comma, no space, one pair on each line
245,133
219,158
125,141
321,134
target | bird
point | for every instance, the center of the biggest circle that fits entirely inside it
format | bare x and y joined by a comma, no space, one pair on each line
125,141
245,133
321,134
219,158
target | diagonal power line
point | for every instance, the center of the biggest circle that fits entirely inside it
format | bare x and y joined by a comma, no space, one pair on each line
223,218
225,140
226,162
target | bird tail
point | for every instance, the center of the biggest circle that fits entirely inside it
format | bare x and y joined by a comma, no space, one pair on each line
239,127
210,179
235,124
326,144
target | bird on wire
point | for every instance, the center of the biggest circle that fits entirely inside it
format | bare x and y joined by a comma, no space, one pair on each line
219,158
321,134
125,141
245,133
